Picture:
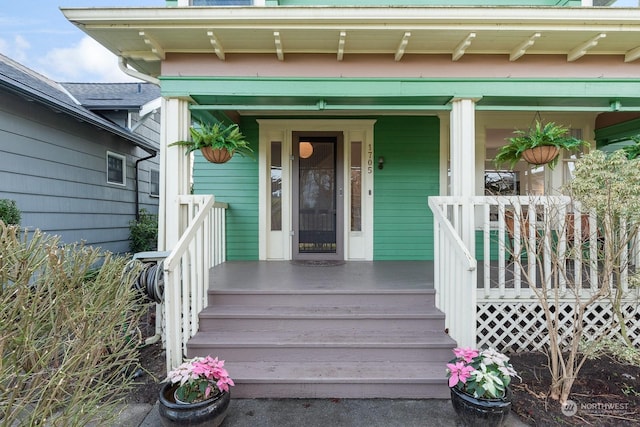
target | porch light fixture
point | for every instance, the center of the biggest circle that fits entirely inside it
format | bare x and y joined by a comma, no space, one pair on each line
380,162
306,150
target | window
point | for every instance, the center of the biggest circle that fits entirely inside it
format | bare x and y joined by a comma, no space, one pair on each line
276,186
116,171
154,182
222,2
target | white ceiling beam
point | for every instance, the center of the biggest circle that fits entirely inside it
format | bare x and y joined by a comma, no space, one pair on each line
217,47
522,48
278,42
402,46
155,46
581,50
462,47
341,43
632,54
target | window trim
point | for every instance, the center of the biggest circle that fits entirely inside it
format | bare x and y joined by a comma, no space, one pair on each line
124,168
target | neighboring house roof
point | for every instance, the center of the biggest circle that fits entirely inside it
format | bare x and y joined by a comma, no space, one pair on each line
113,96
25,82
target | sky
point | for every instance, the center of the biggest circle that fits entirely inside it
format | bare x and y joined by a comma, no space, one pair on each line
36,34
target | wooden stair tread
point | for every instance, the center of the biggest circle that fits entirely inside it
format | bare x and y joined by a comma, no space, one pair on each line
337,372
356,338
319,311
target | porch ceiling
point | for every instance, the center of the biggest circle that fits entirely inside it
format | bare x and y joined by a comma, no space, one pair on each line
144,36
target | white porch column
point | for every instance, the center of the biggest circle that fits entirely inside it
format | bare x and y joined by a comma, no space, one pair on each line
462,162
463,147
175,170
463,184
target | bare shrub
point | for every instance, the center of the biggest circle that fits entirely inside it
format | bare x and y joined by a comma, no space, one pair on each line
67,332
584,268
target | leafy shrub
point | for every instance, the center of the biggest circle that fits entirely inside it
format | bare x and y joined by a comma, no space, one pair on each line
143,232
9,212
67,331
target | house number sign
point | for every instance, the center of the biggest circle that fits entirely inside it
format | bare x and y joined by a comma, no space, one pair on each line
370,159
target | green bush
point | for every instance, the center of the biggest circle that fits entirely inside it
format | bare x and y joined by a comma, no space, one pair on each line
143,233
68,336
9,212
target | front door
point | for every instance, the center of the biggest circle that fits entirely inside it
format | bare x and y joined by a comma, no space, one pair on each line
317,208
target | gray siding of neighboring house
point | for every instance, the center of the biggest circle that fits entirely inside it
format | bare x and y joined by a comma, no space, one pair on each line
54,167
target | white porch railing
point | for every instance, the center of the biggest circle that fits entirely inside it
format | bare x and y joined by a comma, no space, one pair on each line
455,276
186,271
513,241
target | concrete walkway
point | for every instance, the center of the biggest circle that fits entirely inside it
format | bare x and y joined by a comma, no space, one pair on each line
321,413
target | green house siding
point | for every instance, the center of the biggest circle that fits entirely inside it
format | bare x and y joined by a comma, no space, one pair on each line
403,224
235,183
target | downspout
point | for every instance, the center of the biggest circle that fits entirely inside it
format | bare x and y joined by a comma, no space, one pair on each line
150,156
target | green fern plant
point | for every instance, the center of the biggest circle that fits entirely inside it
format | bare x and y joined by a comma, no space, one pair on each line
217,136
539,135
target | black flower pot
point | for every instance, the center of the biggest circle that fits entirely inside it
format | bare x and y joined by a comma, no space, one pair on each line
480,412
208,413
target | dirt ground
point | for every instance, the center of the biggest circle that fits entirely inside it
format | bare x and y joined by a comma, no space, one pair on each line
152,372
606,393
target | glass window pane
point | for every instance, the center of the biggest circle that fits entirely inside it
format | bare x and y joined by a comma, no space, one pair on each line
154,182
276,186
115,169
356,186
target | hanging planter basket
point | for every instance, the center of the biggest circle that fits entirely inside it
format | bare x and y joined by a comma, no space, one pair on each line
216,155
540,155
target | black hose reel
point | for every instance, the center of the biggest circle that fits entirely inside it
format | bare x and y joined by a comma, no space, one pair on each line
150,281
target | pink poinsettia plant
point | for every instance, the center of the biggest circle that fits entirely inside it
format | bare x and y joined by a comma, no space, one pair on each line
200,378
482,374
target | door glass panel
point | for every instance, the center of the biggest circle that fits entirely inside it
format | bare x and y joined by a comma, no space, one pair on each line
317,198
356,186
276,186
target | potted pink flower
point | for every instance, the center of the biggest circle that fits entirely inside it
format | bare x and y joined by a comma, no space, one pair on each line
196,393
479,382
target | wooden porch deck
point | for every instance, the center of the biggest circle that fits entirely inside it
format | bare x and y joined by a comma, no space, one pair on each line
294,275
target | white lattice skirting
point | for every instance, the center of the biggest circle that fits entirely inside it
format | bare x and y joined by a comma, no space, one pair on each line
520,326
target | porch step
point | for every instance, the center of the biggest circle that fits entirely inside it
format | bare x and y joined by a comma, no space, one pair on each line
340,318
338,379
333,343
322,345
410,298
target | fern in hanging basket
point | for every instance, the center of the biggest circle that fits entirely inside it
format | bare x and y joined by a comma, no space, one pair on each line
217,142
539,137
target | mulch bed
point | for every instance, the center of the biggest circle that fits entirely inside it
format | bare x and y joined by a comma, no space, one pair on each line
606,393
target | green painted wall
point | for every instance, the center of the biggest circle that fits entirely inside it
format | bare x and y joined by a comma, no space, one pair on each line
403,224
236,183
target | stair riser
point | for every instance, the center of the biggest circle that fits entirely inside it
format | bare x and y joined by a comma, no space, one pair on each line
321,354
410,301
382,325
249,390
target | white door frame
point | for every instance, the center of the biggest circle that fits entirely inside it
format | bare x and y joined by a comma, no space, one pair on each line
277,244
